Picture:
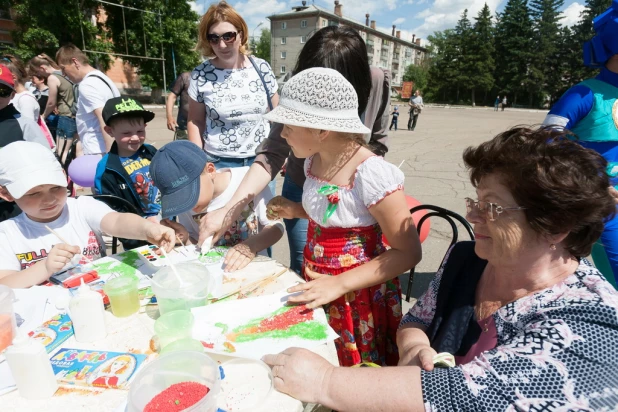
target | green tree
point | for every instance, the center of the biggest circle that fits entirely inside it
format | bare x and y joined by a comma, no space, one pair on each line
43,26
514,50
172,34
442,65
417,73
464,63
481,54
261,48
546,63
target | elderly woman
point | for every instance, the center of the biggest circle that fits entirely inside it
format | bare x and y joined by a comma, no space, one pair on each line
229,91
532,324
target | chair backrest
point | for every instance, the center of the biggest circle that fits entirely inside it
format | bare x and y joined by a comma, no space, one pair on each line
451,217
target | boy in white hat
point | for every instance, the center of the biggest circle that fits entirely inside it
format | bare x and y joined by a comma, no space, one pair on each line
30,253
350,197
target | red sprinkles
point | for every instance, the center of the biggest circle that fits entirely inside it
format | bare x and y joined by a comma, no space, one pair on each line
178,397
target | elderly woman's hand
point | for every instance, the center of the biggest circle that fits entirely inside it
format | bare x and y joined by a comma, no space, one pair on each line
300,373
418,355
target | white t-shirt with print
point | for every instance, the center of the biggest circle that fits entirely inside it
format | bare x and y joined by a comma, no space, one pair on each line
27,105
23,242
251,220
235,101
93,93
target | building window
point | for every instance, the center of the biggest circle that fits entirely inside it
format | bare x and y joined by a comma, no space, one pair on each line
284,40
303,24
282,71
284,25
284,54
303,39
324,23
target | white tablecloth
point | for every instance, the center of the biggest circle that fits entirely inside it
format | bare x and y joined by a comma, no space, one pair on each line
133,334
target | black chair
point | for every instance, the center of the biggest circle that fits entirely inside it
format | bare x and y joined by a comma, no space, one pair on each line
121,205
450,217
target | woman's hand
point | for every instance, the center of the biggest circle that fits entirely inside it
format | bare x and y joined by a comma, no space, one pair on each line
238,257
300,373
321,290
418,355
281,208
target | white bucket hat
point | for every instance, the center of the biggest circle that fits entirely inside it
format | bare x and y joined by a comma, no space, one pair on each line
24,165
319,98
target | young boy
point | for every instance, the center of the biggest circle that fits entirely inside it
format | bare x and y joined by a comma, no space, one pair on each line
125,170
395,115
191,187
31,176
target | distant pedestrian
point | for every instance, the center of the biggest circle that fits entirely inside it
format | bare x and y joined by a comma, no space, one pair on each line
180,88
416,105
504,103
395,115
497,103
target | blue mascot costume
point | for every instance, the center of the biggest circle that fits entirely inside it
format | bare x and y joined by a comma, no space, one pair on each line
590,110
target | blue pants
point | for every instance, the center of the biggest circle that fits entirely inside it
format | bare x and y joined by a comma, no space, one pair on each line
295,228
230,162
605,251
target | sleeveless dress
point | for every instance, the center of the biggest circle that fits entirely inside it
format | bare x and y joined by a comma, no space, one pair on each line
342,235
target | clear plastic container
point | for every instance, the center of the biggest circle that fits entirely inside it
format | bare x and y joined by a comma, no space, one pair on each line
172,368
123,295
190,291
183,344
7,317
172,326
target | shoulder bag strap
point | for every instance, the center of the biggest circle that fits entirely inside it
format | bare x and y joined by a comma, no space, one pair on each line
270,102
104,81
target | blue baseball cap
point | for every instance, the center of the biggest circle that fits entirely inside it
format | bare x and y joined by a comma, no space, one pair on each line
175,170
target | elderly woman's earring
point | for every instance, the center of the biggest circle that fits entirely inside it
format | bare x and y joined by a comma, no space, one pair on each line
552,247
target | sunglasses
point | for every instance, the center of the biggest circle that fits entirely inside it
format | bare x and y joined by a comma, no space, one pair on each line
228,37
5,92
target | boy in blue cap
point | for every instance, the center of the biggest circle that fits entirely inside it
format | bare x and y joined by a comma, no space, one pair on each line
590,110
190,187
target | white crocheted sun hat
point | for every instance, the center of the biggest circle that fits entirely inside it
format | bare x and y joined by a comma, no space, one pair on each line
319,98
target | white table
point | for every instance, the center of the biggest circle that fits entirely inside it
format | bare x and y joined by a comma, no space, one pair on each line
133,334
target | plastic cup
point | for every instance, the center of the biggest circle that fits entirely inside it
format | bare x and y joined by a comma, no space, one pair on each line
190,291
7,317
173,326
173,368
123,296
183,344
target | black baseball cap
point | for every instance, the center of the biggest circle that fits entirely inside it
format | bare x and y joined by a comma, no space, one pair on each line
125,106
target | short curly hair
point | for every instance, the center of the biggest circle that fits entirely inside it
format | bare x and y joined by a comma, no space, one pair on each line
217,13
563,185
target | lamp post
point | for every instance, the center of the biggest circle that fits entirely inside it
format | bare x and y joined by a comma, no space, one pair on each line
253,33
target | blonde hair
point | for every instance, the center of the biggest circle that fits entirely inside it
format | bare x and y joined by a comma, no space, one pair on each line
126,358
66,53
217,13
42,59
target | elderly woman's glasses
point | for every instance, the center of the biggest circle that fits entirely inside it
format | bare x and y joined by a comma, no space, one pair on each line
228,37
490,210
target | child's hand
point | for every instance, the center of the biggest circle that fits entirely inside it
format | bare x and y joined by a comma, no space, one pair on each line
161,236
59,256
281,208
181,232
238,257
321,290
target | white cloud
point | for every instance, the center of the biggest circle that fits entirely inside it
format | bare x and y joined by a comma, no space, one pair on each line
571,14
253,11
399,20
444,14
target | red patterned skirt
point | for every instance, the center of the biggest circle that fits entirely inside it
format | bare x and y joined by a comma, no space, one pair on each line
367,319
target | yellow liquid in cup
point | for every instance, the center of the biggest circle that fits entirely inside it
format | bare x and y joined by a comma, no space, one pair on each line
124,304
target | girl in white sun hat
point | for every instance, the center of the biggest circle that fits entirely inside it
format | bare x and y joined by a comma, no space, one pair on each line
350,197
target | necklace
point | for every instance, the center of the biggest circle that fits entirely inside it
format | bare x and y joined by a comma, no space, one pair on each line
482,315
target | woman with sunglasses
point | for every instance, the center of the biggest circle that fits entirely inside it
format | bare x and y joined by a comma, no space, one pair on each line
229,91
531,323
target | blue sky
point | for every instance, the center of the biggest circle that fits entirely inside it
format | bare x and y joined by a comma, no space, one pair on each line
421,17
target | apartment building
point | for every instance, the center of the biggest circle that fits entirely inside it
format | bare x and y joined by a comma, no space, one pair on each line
290,30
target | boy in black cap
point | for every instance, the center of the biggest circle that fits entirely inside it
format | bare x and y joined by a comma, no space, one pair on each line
125,170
